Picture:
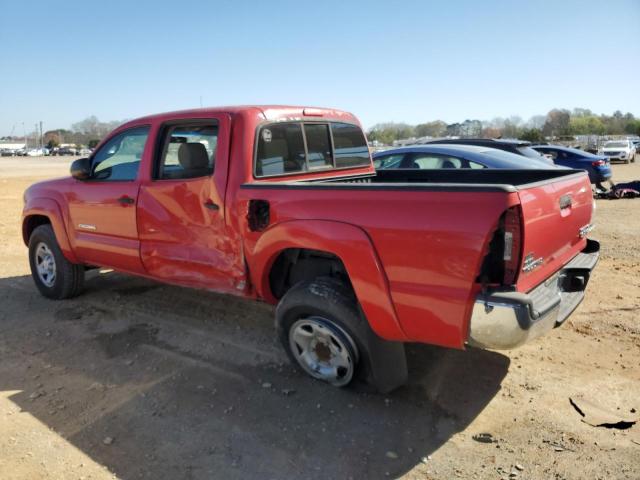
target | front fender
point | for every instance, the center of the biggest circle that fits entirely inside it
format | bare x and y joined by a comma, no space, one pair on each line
49,208
356,251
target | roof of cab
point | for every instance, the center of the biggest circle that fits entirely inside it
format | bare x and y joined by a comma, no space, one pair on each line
269,112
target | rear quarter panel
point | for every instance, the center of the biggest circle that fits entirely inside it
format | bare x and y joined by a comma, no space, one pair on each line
430,244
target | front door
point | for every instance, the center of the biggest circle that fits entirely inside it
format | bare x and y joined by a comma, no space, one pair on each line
181,214
103,208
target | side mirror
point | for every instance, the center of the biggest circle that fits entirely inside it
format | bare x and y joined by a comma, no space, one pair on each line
81,169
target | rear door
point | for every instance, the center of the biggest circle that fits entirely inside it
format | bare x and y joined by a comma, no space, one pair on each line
103,208
553,216
181,212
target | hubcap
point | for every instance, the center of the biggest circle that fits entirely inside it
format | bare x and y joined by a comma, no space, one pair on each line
45,264
323,350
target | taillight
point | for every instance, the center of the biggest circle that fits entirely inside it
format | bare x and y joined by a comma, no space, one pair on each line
599,163
512,245
501,263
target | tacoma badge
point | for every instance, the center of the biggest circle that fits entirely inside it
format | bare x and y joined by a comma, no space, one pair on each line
531,263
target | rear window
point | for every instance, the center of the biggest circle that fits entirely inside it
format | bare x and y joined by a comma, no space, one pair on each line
350,146
529,152
288,148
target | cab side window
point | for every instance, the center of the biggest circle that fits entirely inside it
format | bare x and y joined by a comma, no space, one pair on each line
189,151
119,158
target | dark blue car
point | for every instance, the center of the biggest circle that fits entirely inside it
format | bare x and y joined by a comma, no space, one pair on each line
436,156
598,166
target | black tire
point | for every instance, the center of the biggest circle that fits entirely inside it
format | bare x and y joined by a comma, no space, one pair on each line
69,277
378,363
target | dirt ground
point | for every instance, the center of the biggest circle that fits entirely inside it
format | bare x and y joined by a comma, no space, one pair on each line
134,379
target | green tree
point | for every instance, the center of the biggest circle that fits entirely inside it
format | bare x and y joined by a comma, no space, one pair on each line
431,129
557,123
388,132
533,135
93,143
510,129
633,127
586,125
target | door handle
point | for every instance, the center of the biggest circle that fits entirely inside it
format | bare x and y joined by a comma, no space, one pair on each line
125,200
211,206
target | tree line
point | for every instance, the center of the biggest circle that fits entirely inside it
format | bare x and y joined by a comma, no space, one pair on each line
556,123
87,132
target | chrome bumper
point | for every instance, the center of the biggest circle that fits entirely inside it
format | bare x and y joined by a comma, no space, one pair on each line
504,320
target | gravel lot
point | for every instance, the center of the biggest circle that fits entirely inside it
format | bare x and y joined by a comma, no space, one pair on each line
135,379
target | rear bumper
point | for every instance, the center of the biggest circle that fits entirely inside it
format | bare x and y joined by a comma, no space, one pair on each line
504,320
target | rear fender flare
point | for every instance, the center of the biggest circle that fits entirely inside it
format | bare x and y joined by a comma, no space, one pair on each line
49,208
347,242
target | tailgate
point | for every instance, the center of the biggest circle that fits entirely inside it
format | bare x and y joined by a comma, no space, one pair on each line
553,215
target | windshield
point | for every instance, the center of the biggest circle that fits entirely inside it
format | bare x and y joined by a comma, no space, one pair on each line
616,145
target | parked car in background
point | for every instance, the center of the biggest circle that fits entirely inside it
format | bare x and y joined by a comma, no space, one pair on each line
519,147
597,166
66,151
623,150
84,152
454,156
37,152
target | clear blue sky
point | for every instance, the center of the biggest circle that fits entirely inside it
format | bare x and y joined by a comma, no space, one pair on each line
385,61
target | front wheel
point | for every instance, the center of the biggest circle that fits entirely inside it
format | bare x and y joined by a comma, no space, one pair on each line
55,276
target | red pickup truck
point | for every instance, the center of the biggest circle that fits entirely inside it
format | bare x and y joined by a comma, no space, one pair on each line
283,204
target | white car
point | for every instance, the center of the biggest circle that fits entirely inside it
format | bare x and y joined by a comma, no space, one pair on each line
36,152
623,150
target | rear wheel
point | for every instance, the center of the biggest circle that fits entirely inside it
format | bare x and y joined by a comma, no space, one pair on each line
55,276
323,350
324,332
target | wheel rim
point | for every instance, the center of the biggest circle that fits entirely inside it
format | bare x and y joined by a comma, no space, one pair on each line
323,350
45,264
